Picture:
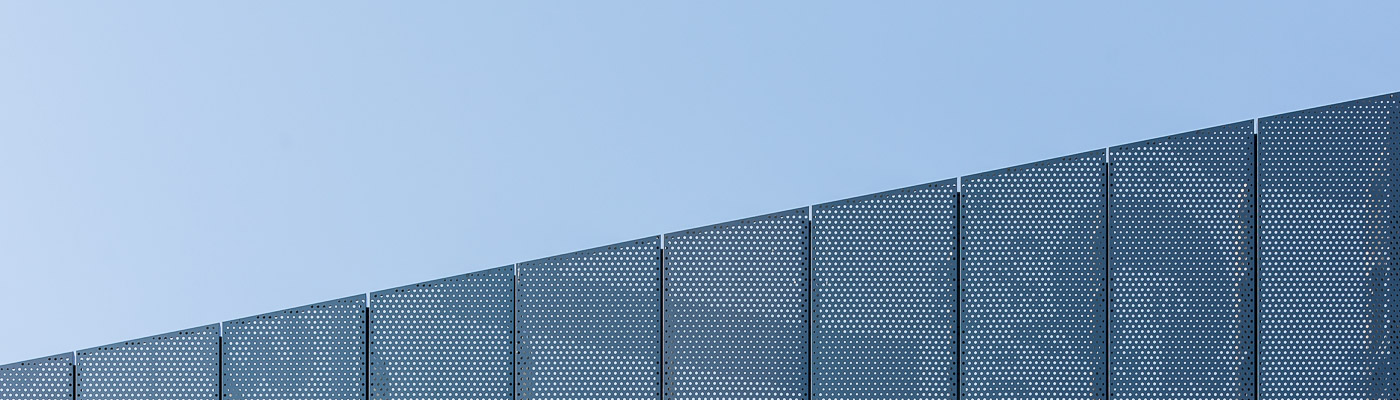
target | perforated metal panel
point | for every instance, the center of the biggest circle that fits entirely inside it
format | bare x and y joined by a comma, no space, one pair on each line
176,365
1181,266
443,339
590,324
1033,281
885,281
308,352
41,378
1327,251
736,314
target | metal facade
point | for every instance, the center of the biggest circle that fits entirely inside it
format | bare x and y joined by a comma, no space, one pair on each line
1181,266
443,339
1033,281
176,365
1327,251
41,378
1254,260
308,352
736,315
884,290
590,324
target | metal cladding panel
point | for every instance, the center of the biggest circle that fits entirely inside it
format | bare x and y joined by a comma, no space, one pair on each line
1181,266
308,352
589,324
41,378
736,314
884,277
1033,281
1327,251
443,339
176,365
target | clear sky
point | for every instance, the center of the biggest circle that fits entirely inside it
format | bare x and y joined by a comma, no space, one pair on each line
165,165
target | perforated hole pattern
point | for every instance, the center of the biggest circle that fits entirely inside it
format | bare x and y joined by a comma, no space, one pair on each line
884,281
177,365
40,378
590,324
443,339
309,352
1181,259
736,314
1033,281
1327,181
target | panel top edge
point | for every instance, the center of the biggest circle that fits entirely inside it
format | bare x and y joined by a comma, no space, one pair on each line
1291,114
1246,124
801,211
1099,154
950,182
359,298
61,357
440,281
649,240
153,338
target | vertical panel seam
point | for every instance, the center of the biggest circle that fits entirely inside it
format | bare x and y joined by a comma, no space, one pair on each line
514,363
1257,285
957,290
661,321
219,390
1108,275
811,303
366,339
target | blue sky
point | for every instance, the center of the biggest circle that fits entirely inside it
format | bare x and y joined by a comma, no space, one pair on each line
165,165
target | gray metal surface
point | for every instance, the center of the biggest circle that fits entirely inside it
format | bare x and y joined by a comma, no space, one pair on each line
590,324
1181,266
736,313
1033,281
1327,251
443,339
41,378
177,365
884,273
308,352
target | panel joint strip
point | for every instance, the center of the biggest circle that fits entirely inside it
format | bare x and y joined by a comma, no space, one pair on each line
1108,275
1254,187
514,330
811,307
661,322
957,292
